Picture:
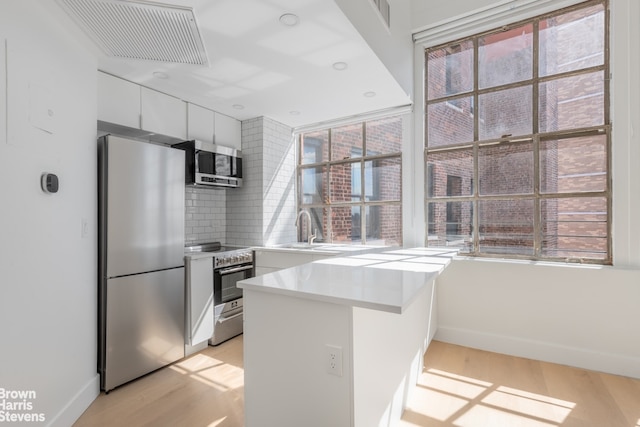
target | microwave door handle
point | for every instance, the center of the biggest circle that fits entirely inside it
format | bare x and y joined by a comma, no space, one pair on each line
236,269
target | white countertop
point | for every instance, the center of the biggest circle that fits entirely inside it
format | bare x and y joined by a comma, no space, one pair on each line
386,280
198,255
319,248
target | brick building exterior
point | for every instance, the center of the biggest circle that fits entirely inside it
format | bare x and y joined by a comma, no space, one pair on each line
567,166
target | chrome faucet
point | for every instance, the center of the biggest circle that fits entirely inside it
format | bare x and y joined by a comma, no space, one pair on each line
310,237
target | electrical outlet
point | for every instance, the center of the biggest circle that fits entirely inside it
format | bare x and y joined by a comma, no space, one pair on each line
334,360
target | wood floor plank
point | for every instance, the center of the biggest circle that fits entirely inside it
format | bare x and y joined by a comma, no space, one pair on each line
459,387
626,393
205,389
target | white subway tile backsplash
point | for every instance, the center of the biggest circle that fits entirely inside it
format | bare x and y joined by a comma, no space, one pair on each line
205,215
263,212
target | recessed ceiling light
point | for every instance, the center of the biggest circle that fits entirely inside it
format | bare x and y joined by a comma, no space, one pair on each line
160,75
294,113
238,106
289,19
369,94
340,66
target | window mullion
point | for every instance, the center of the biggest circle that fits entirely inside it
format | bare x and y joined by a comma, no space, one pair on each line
476,136
363,195
537,213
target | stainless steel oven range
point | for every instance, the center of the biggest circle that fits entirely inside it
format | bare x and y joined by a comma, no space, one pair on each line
230,265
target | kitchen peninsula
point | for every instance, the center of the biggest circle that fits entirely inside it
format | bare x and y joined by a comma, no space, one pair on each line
339,341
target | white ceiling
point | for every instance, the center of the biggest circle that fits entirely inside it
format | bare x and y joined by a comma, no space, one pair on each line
284,73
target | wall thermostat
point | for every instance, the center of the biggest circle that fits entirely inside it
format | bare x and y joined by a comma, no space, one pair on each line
49,183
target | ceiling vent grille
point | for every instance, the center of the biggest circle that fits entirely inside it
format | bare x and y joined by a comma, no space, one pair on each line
140,30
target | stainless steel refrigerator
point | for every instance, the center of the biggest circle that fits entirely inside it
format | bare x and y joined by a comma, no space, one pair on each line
141,258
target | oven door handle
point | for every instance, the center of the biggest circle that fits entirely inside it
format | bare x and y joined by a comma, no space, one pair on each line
226,319
235,269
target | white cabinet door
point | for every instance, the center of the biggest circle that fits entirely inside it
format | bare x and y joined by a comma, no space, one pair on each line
163,114
228,131
200,123
199,300
118,101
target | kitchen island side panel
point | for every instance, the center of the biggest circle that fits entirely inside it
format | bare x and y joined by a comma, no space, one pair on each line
285,361
388,355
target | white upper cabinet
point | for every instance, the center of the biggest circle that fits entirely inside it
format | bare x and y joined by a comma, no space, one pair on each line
200,123
118,101
227,131
163,114
122,102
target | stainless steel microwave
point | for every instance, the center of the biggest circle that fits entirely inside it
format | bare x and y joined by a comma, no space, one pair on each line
212,165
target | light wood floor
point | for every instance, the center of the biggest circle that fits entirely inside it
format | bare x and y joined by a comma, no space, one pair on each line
465,387
459,387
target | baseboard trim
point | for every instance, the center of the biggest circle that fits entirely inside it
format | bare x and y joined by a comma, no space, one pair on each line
78,404
544,351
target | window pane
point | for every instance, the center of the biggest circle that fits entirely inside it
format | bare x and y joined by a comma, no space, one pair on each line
506,168
383,180
345,182
574,227
450,173
315,147
384,225
505,112
450,122
572,41
505,57
450,70
312,184
450,224
346,142
506,227
345,224
573,165
384,136
572,102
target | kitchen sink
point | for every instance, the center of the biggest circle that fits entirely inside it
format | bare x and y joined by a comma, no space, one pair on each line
301,245
322,247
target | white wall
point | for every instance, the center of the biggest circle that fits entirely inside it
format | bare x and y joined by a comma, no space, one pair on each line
392,45
47,268
567,314
578,316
